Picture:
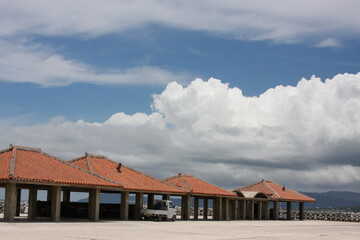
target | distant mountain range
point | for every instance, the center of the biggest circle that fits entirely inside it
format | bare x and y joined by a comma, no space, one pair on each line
331,199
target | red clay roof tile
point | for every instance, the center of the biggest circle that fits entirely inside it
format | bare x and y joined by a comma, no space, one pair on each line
195,185
34,165
130,179
276,191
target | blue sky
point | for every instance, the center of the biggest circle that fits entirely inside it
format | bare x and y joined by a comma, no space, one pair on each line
81,67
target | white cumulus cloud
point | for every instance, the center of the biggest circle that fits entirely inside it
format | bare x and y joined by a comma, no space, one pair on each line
305,135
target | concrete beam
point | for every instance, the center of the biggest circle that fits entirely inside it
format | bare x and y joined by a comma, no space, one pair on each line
55,203
124,209
288,210
185,207
94,204
32,203
206,208
10,202
301,211
139,205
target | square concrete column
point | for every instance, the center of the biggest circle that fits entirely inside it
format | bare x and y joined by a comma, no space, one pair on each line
225,210
235,210
139,205
217,211
242,209
150,200
10,202
206,208
18,202
94,204
196,208
252,210
185,207
66,195
266,210
288,210
166,197
55,203
259,210
301,211
124,209
275,210
32,203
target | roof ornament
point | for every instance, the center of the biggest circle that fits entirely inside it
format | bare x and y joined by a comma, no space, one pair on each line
283,188
118,168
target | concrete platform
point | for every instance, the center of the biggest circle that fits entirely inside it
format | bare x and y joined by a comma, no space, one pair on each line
180,230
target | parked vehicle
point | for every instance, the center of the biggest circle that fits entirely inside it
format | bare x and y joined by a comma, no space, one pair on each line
162,210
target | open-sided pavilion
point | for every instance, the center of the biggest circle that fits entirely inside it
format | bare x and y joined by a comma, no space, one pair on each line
96,175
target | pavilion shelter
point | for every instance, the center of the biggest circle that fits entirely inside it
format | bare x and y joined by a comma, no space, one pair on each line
224,201
278,193
35,170
133,182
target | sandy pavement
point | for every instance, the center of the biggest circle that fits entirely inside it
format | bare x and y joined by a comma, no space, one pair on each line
107,230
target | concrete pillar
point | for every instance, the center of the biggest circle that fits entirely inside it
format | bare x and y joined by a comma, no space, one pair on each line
206,208
217,208
275,210
55,203
266,210
242,209
150,200
48,196
139,205
196,208
301,210
32,203
259,210
185,207
18,202
288,210
225,210
66,195
235,210
166,197
94,204
10,202
252,209
124,209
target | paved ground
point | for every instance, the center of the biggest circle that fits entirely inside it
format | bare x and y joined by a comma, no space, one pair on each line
180,230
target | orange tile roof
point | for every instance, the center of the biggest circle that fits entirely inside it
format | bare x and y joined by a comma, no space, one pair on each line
34,165
194,185
276,191
130,178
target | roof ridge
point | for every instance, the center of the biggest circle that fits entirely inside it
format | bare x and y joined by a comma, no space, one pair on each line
71,165
212,184
155,178
12,163
278,195
88,162
186,184
26,148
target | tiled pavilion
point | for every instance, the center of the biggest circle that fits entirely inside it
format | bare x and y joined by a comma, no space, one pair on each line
35,170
